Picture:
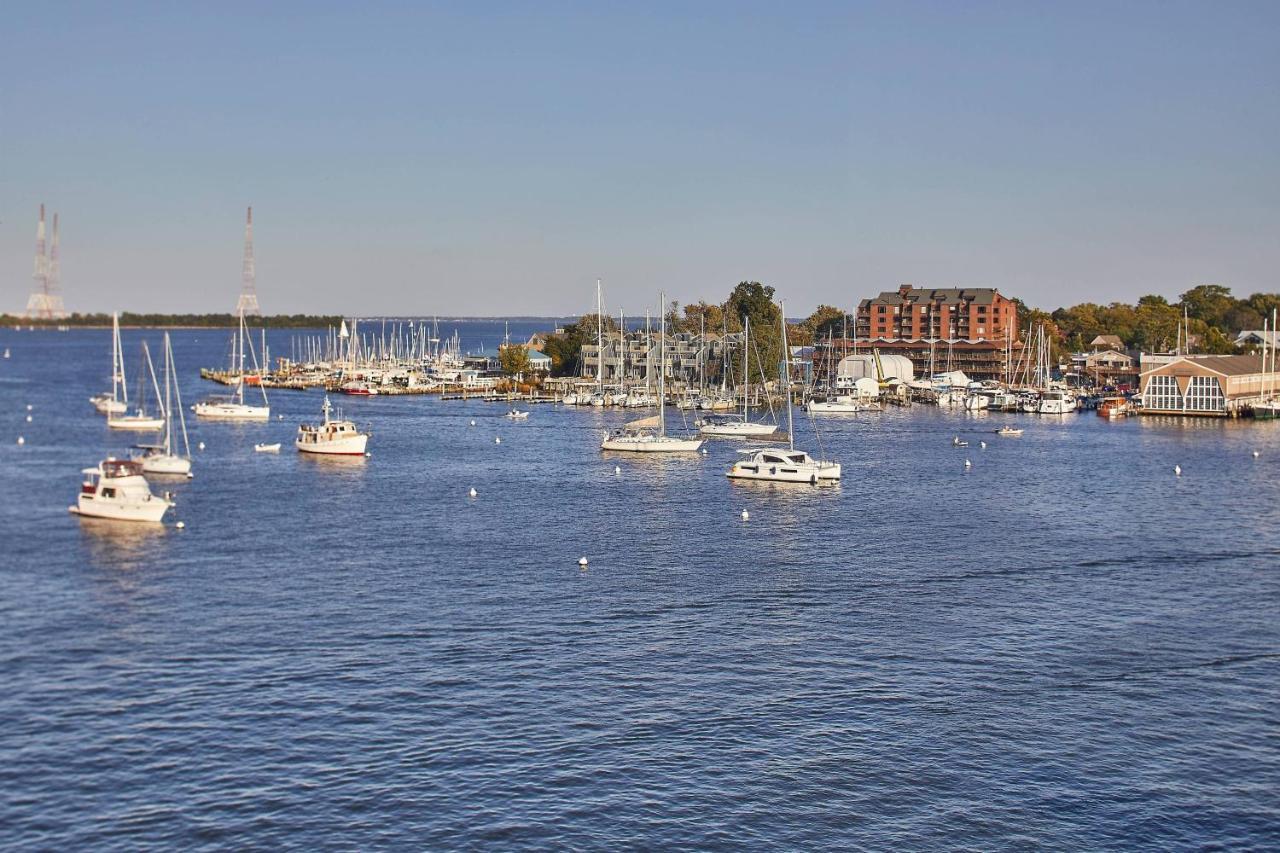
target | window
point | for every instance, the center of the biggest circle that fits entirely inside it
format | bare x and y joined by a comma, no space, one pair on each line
1204,394
1162,394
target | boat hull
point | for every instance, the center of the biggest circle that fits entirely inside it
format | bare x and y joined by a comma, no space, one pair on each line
152,509
136,423
163,464
108,406
348,446
231,412
652,444
738,430
781,473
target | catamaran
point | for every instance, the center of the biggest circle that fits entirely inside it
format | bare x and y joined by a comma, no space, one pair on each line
332,437
112,404
233,407
640,436
790,465
737,426
162,458
116,489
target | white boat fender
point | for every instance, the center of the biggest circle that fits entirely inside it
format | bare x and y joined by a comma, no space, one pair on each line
180,525
190,476
582,561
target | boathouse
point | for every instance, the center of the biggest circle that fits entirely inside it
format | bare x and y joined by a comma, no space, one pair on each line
1211,385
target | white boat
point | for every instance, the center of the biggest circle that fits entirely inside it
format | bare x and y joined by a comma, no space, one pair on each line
1008,431
332,437
116,489
112,404
140,419
842,405
161,458
1055,402
790,465
517,415
234,408
649,435
737,425
267,448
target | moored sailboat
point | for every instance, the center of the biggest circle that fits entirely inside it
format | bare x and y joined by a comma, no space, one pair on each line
162,458
233,407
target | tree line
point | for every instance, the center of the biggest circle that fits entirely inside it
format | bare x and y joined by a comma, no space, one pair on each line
127,318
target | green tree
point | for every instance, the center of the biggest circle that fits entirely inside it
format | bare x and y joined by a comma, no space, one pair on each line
1208,302
514,359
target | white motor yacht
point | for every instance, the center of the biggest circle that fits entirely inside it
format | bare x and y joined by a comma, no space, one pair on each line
1054,402
843,404
116,489
332,437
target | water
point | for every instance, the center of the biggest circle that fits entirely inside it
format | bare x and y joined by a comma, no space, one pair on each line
1063,646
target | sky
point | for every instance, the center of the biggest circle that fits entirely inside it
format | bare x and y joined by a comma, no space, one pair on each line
494,159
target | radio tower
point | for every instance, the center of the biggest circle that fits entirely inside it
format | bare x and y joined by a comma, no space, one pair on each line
248,302
44,302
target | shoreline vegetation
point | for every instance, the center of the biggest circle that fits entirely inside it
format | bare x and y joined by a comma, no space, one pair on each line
129,319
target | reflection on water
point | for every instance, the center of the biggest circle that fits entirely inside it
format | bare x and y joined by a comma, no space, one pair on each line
122,544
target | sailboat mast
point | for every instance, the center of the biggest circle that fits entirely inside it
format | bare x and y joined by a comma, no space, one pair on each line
168,400
746,357
786,377
662,368
599,341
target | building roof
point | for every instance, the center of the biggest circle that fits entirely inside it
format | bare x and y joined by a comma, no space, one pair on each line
1109,341
1257,336
535,355
939,295
1224,365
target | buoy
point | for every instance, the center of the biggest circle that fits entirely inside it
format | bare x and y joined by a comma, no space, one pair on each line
28,407
1177,470
28,418
180,525
497,439
582,561
21,440
704,451
190,476
279,417
367,455
968,464
982,444
617,469
1255,454
200,445
745,515
473,423
473,492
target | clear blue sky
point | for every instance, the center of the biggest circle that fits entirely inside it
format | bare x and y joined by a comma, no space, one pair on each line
494,159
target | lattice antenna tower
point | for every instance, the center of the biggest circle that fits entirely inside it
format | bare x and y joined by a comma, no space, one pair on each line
248,302
44,302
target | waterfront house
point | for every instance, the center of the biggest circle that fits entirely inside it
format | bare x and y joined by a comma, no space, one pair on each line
1211,385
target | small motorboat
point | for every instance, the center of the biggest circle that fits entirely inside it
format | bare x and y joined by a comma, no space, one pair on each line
959,442
517,415
267,448
1009,431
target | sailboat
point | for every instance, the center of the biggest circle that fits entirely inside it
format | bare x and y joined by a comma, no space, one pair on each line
112,404
161,458
790,465
140,419
234,408
640,436
737,426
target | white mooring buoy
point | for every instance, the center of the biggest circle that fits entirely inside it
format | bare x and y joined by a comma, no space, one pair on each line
473,492
28,418
968,464
200,445
617,469
582,561
745,515
704,451
28,407
497,439
21,440
473,423
1255,454
1177,470
982,444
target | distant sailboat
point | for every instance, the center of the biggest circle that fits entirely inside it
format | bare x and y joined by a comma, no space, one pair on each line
738,426
161,458
140,419
113,403
640,436
234,408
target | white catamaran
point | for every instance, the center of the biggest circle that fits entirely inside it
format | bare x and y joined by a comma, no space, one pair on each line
162,458
790,465
649,435
234,408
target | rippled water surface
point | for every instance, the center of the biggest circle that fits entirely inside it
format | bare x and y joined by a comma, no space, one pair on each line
1063,646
